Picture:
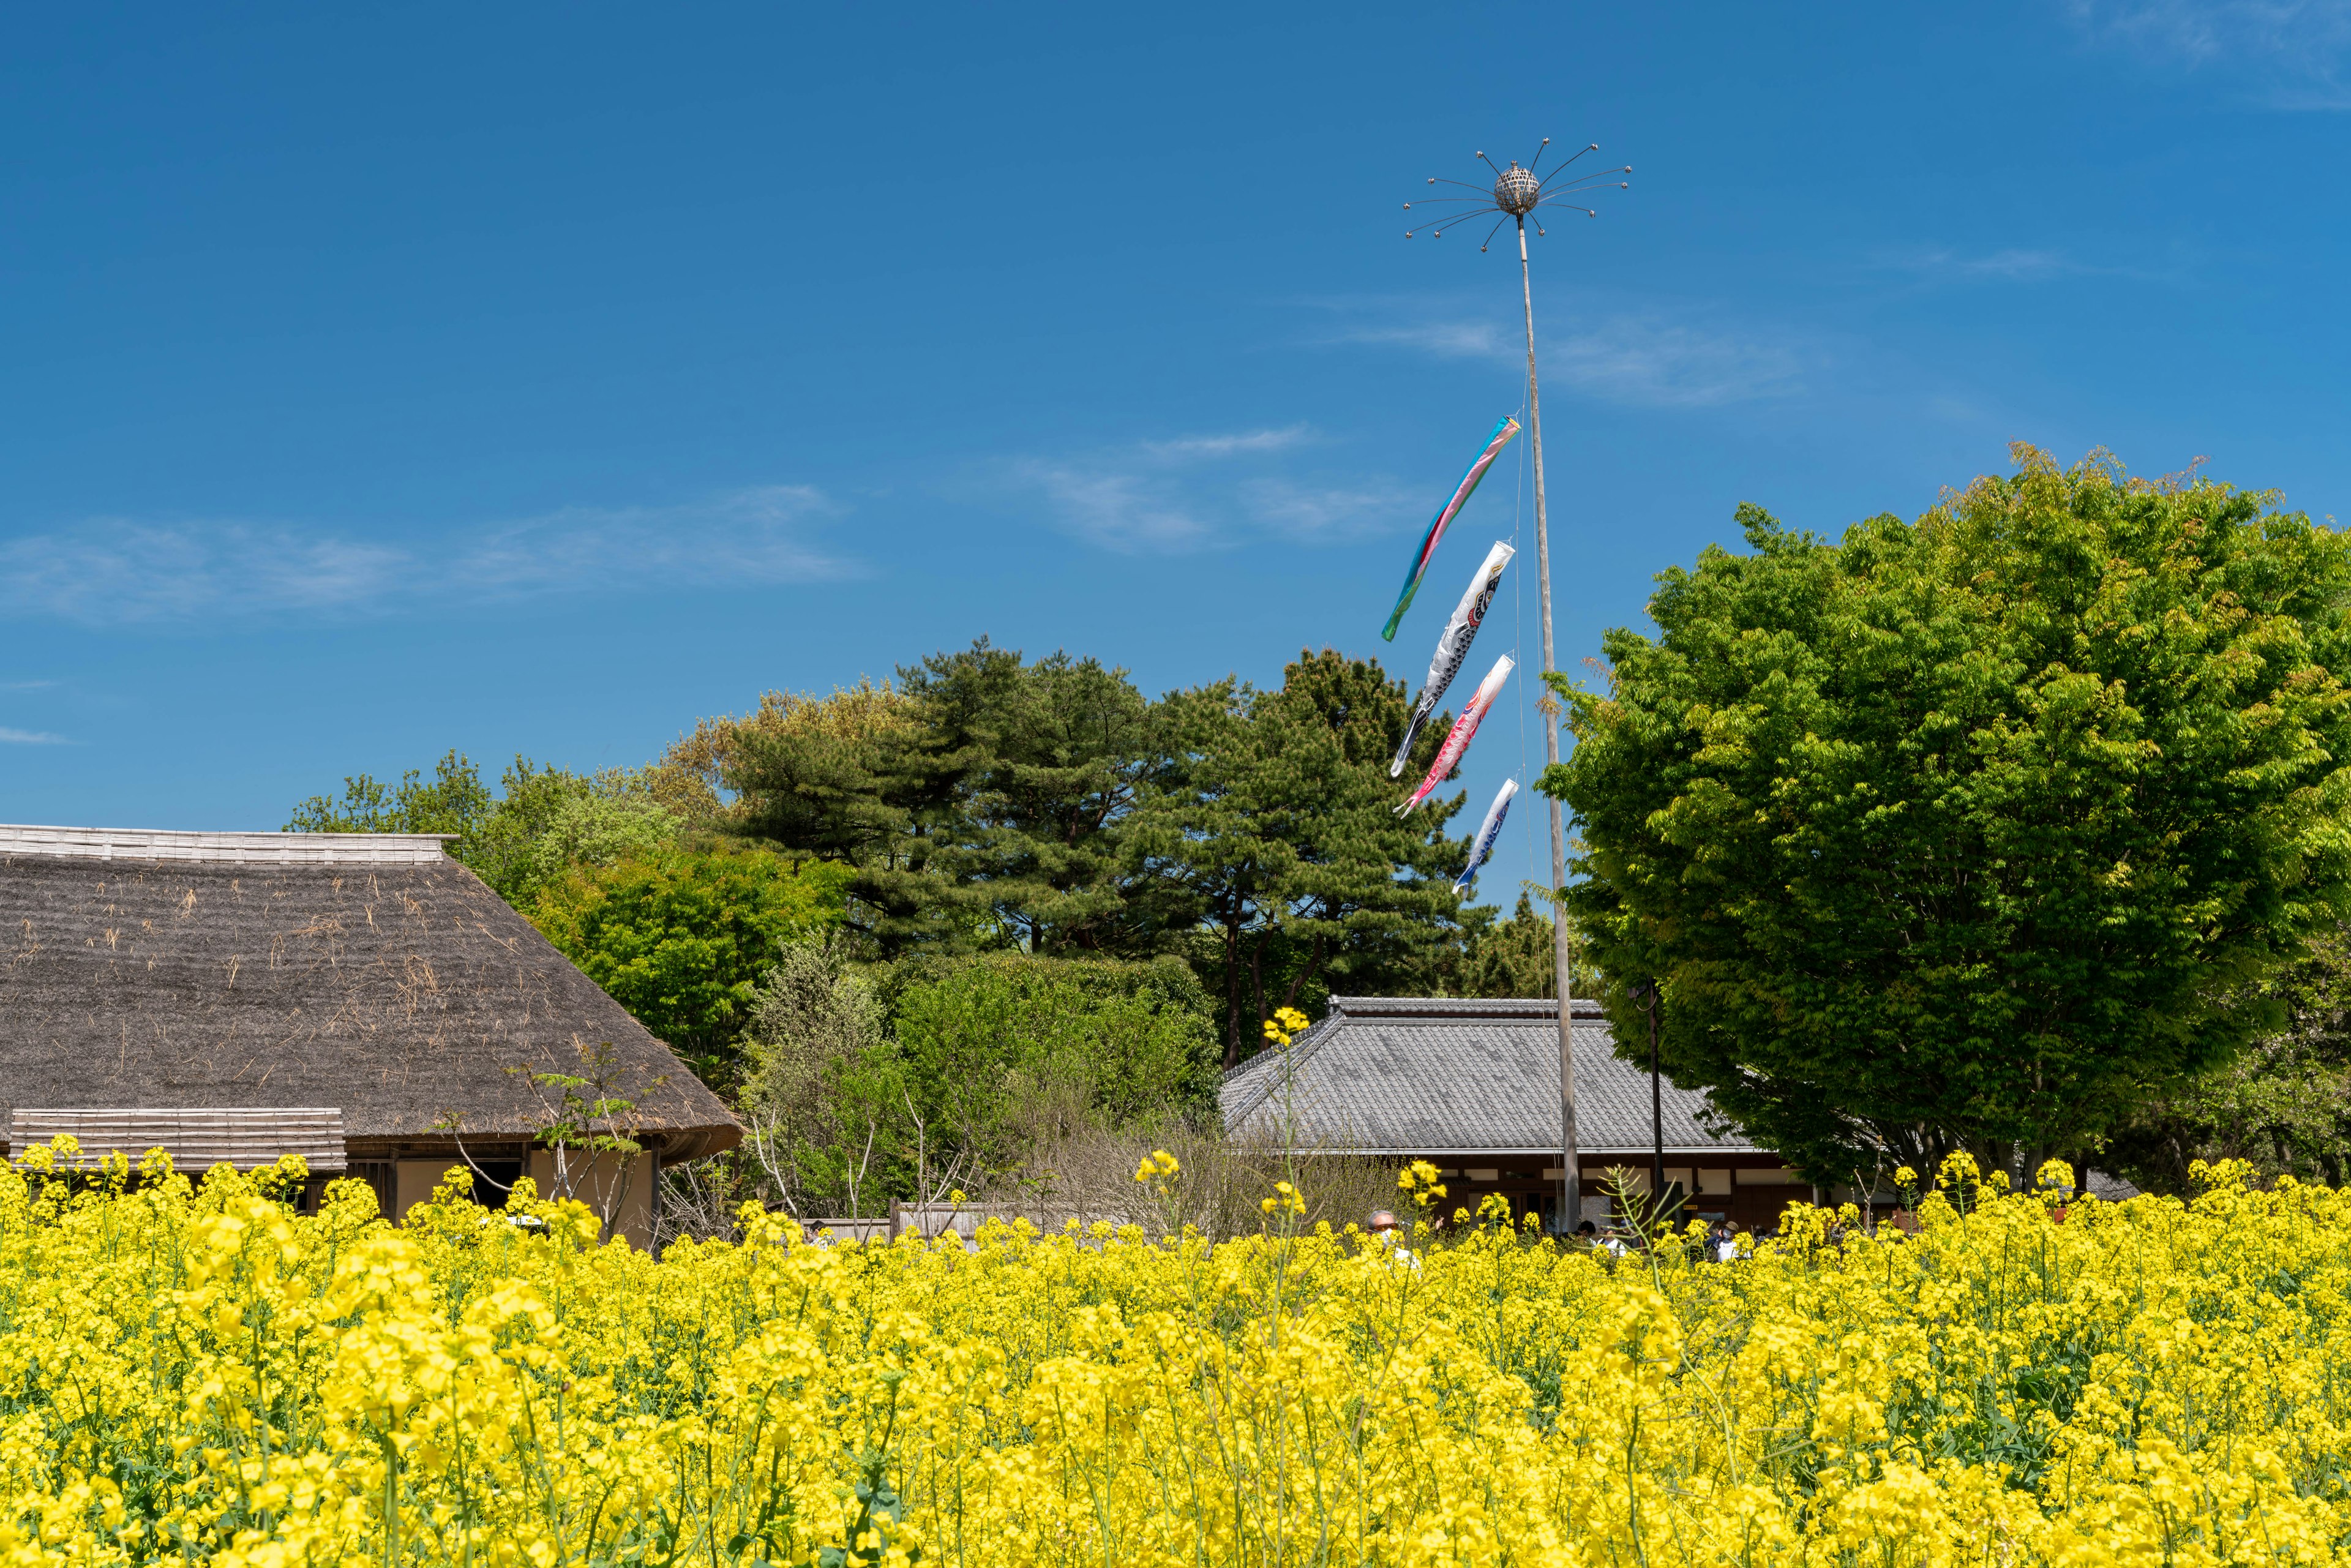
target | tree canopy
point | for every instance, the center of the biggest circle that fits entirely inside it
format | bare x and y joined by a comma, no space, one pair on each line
914,1077
681,936
1278,837
541,823
1976,828
988,802
2283,1105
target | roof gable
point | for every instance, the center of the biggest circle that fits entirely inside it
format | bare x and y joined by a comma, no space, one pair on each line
279,970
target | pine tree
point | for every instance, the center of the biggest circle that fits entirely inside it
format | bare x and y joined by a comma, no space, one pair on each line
1278,826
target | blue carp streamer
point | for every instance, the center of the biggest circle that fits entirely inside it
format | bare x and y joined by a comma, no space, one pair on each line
1488,831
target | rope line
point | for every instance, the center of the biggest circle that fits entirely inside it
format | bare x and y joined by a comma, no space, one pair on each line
1518,635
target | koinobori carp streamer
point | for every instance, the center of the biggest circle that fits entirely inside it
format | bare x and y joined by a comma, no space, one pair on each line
1488,831
1472,713
1500,438
1453,648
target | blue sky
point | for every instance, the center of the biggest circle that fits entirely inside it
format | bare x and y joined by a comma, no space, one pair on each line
538,378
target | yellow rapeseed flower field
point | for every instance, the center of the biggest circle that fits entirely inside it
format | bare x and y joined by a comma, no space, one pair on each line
200,1373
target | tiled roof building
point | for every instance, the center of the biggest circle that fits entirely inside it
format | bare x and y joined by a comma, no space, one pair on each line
1472,1086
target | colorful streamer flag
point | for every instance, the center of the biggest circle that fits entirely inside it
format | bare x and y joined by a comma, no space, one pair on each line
1473,712
1453,648
1487,831
1443,518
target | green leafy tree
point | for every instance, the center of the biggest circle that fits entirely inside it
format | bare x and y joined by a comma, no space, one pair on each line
1133,1039
1047,762
544,822
681,937
826,1098
455,801
1278,826
1975,830
856,777
2283,1105
548,821
1518,958
983,801
936,1072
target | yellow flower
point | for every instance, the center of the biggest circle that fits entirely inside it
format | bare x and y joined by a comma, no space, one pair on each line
1108,1390
1284,1025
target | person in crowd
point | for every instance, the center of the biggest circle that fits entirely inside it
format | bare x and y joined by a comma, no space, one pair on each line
1385,1226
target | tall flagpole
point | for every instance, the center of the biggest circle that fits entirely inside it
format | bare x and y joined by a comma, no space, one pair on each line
1571,1180
1516,194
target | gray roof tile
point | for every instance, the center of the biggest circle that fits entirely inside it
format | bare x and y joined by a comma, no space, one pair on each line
1417,1075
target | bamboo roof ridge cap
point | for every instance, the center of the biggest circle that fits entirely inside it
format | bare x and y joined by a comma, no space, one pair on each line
257,848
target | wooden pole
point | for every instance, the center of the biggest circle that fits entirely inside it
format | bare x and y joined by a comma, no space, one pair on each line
1571,1181
1656,1108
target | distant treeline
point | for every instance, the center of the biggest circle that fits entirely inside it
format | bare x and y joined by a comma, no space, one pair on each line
985,803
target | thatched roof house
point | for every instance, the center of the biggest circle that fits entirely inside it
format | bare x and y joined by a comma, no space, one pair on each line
360,998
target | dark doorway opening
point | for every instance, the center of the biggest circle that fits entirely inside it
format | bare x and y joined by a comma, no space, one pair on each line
493,1179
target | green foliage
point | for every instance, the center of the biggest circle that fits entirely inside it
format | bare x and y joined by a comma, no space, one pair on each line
824,1096
1277,829
1520,958
549,821
983,805
937,1071
1036,768
1976,830
994,804
1128,1040
2284,1106
454,803
544,822
681,937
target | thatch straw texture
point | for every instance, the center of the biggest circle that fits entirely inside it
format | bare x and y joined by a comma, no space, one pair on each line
233,975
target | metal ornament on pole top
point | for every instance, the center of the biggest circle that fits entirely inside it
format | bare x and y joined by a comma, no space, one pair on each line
1516,193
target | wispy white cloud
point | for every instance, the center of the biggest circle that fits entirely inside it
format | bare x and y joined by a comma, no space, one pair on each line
1203,492
1635,359
1210,447
1328,513
1119,509
112,571
2010,265
1647,357
1456,339
2291,53
1941,264
759,535
30,738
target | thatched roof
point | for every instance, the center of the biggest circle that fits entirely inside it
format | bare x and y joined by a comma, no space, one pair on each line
368,973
